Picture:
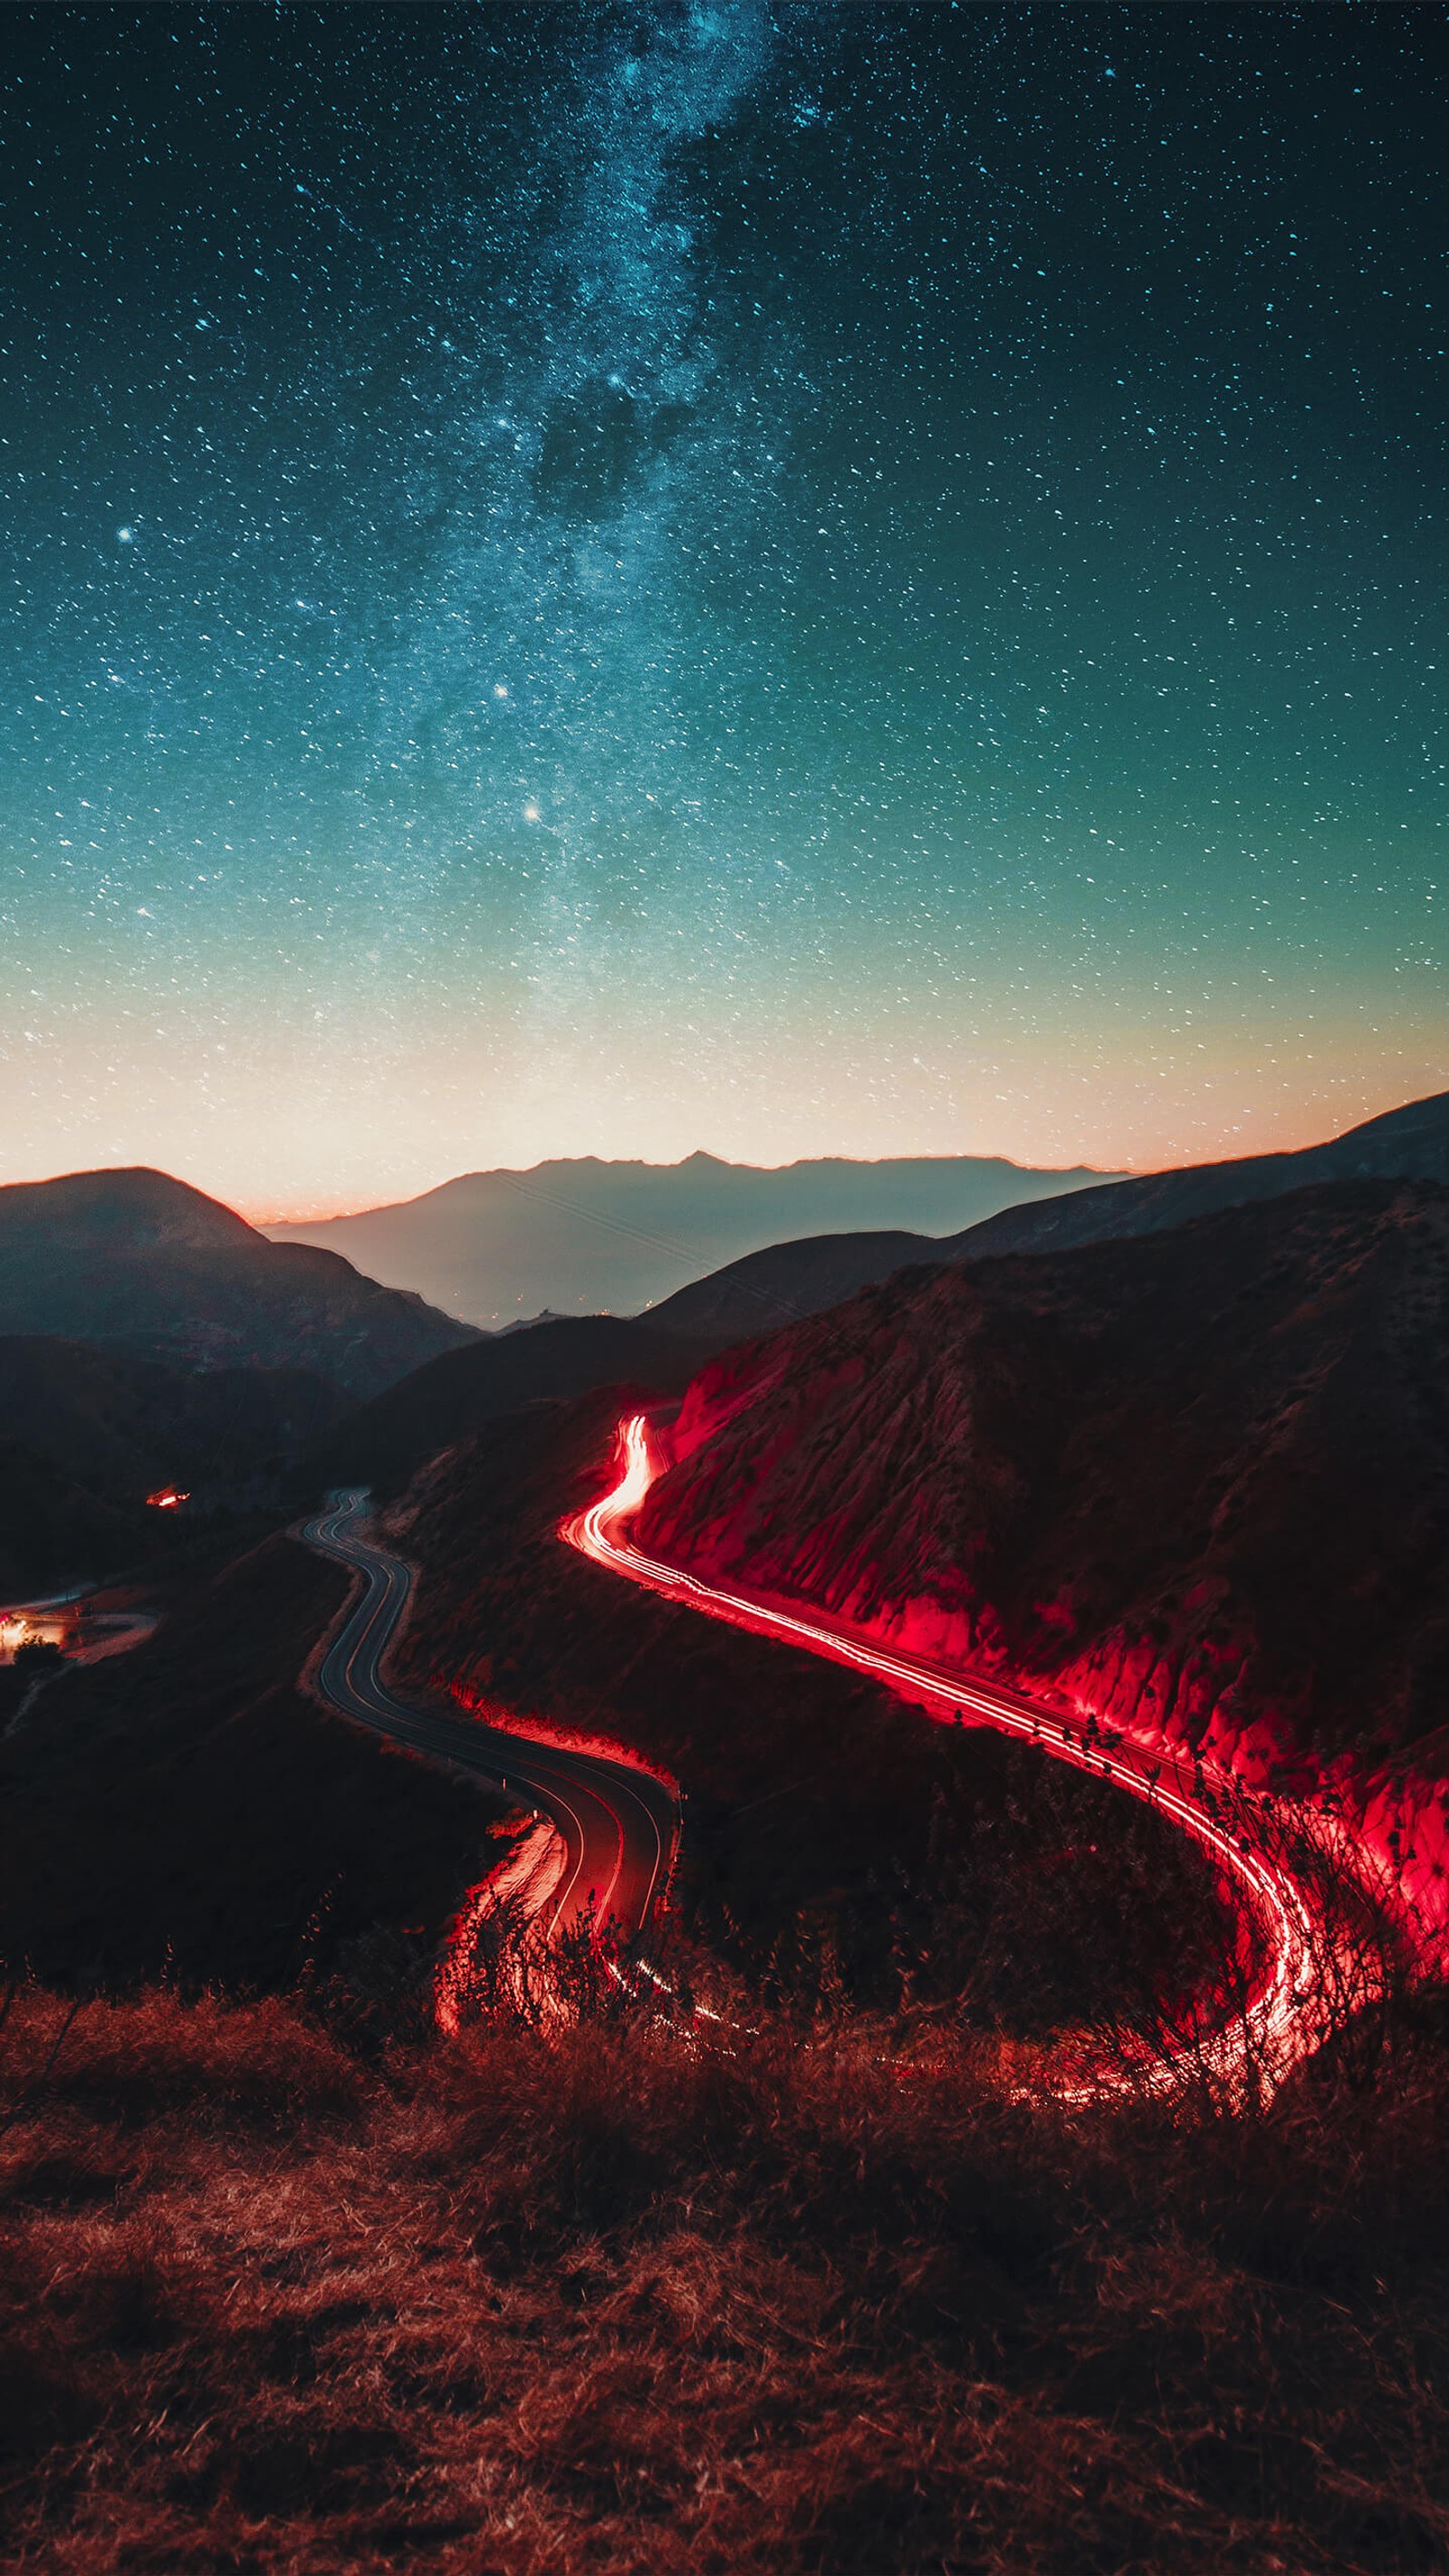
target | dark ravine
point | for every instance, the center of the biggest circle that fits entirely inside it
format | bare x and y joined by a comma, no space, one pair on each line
383,1443
87,1435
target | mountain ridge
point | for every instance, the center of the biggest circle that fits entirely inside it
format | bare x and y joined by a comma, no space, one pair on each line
778,1284
126,1258
616,1237
1407,1143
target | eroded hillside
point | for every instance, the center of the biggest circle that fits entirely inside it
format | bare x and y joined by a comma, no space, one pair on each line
1201,1480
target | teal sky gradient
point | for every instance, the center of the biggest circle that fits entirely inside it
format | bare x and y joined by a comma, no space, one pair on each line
785,579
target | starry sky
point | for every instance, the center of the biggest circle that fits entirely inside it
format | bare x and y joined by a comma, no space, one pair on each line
785,578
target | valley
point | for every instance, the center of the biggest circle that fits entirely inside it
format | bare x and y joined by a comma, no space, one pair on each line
927,1818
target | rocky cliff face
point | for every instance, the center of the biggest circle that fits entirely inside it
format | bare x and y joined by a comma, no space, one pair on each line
1198,1482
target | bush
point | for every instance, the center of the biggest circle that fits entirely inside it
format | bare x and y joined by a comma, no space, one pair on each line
37,1660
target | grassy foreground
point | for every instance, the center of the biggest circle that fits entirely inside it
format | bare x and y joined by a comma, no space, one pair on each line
602,2299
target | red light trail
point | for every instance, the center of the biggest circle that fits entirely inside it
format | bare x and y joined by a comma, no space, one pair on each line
1286,2013
605,1863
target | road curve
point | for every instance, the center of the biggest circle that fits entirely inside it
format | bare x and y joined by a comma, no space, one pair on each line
617,1824
1283,2016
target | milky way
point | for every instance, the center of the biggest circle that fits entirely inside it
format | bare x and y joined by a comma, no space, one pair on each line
789,579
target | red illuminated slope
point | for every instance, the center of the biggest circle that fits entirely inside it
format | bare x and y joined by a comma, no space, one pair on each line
1285,2013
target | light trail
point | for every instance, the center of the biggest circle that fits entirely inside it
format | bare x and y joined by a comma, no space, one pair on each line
1286,2013
617,1826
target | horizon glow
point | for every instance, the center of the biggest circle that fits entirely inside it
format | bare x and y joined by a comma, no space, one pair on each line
766,579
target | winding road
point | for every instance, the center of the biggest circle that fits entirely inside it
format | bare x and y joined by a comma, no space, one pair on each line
617,1824
1284,2014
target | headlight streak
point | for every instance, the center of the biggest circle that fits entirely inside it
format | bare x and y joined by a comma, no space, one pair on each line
1285,2016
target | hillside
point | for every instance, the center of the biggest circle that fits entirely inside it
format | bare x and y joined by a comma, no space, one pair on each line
830,1831
1411,1143
55,1532
1202,1478
589,1236
125,1426
786,1281
802,1277
137,1262
587,2302
814,2288
384,1441
89,1434
188,1807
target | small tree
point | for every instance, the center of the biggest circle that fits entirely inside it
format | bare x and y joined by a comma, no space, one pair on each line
38,1659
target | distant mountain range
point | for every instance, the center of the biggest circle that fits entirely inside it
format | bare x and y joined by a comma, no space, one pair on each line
135,1262
148,1335
803,1277
590,1236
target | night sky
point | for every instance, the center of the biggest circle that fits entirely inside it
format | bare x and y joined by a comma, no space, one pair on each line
832,579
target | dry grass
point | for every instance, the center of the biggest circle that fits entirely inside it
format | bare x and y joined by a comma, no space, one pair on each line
602,2300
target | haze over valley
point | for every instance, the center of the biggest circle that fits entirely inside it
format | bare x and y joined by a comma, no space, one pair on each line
581,1237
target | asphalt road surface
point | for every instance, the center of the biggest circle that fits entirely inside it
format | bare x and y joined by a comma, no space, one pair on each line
1282,2016
618,1825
